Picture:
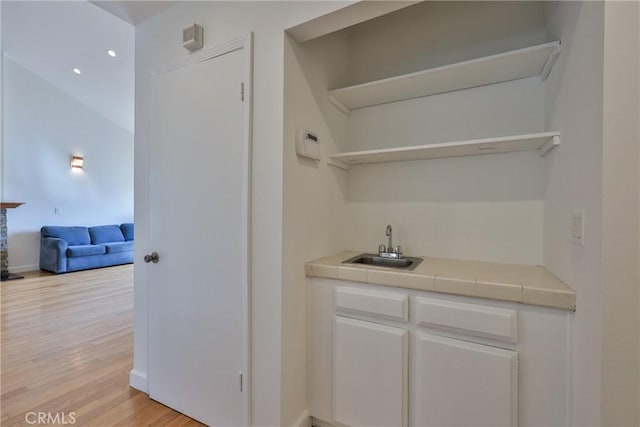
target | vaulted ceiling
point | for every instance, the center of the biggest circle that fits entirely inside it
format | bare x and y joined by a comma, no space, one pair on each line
134,12
50,38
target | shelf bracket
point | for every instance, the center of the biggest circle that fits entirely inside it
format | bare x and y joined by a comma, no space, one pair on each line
551,60
552,143
337,164
339,105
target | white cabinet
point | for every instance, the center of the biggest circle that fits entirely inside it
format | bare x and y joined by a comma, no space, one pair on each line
370,373
460,383
380,355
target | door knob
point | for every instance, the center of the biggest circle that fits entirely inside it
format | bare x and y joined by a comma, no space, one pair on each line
154,257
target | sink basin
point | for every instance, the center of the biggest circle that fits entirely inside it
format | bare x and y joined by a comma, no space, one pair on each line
404,263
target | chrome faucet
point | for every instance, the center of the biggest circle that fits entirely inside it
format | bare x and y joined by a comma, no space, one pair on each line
389,251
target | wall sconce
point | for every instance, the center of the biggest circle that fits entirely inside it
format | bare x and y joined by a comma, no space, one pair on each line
77,163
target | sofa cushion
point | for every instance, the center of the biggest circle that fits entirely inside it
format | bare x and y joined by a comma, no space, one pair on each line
127,231
85,250
97,261
118,247
105,234
72,235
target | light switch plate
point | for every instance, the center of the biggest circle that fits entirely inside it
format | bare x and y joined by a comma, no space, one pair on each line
577,228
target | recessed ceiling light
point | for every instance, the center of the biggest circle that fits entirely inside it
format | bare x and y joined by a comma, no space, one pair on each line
112,53
77,70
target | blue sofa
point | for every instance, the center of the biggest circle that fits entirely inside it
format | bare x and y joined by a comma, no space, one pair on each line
65,249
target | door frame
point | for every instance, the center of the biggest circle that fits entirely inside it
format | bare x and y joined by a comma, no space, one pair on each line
244,43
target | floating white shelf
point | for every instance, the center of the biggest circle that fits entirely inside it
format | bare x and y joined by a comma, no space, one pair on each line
513,65
543,142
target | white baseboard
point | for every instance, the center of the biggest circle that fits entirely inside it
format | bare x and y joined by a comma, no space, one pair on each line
304,420
138,380
319,423
23,268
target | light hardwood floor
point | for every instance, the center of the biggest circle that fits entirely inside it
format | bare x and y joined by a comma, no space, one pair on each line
67,347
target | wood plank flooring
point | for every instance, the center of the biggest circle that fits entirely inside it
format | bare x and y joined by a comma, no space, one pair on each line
67,349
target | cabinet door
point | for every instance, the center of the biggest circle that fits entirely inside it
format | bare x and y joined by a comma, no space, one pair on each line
464,384
370,374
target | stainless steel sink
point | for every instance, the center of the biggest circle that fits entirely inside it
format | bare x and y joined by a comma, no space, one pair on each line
404,263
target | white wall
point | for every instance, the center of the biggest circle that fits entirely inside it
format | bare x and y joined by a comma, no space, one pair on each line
314,193
158,41
574,182
486,208
1,116
43,127
621,216
435,33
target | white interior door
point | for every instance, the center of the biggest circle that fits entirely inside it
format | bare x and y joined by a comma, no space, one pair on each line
198,199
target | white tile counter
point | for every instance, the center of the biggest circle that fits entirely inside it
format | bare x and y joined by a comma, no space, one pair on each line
527,284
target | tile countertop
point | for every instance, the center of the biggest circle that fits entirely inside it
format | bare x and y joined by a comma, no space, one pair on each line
527,284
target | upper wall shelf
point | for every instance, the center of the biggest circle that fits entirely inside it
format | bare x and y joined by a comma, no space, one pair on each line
543,142
513,65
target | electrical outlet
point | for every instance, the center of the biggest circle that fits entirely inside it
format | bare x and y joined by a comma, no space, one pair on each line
577,228
57,211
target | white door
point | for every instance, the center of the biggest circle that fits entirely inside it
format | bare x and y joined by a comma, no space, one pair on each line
459,383
370,374
198,201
